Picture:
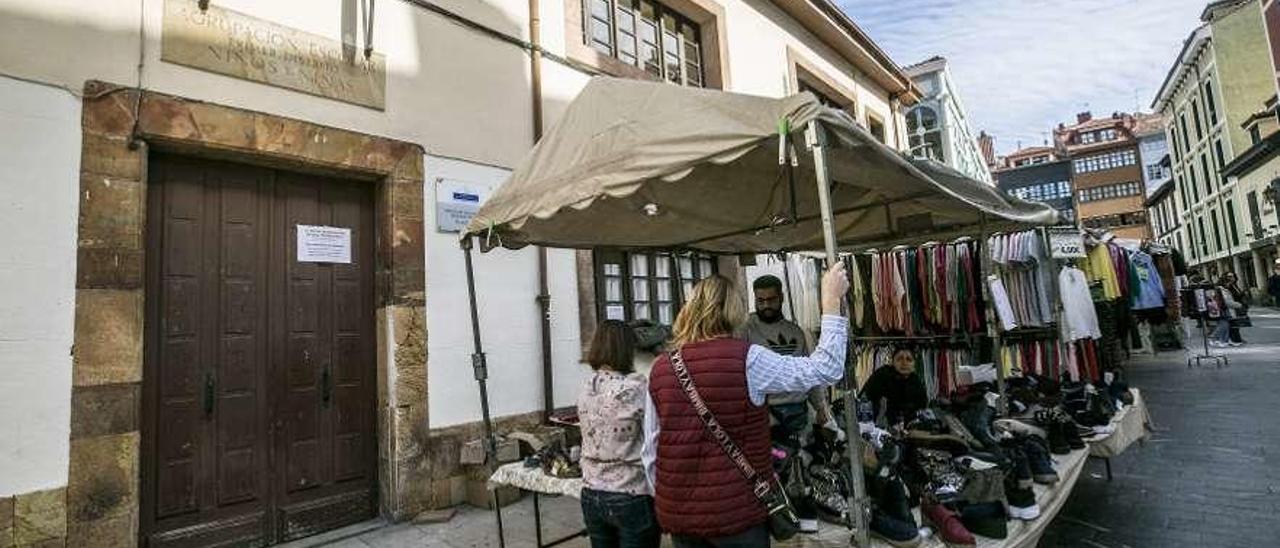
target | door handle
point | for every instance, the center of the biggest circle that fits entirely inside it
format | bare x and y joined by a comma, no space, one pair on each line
208,394
326,387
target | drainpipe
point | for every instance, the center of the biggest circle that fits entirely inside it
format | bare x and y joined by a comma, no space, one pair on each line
544,294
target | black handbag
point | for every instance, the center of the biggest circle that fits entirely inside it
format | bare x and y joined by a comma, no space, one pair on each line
783,521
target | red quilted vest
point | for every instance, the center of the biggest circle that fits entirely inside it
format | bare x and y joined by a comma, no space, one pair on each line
700,492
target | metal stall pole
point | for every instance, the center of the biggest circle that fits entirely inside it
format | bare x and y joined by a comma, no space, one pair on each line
858,507
481,370
993,329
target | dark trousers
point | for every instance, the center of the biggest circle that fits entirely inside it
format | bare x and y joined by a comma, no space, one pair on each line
619,520
755,537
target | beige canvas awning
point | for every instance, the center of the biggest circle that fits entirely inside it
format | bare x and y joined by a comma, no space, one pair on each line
645,165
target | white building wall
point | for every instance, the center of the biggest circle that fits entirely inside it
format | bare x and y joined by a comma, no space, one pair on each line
506,288
454,91
40,155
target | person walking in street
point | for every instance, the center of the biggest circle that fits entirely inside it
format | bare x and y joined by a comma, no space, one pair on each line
701,495
1230,308
1273,284
1240,317
617,499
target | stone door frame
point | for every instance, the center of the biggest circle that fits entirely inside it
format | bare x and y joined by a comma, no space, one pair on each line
119,125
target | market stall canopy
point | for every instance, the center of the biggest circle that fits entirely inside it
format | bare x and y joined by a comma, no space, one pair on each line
635,164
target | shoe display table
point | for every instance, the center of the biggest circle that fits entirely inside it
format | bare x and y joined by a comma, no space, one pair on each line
1022,534
533,480
1131,424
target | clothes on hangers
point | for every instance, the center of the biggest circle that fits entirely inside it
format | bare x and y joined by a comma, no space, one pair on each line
931,289
1099,267
1025,268
1079,317
1000,298
1149,292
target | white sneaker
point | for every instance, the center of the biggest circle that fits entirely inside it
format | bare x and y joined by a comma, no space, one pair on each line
1216,344
1025,514
808,526
1234,344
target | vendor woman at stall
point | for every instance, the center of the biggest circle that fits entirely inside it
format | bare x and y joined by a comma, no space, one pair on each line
700,495
896,390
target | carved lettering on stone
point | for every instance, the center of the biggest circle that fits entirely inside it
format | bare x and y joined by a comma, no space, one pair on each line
238,45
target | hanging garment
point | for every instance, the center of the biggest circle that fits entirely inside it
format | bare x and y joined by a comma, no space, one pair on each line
1000,297
1079,317
1098,267
1149,292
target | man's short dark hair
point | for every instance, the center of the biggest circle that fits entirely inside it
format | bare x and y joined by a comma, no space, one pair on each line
768,281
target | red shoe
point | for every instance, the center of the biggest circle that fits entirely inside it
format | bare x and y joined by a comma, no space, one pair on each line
946,524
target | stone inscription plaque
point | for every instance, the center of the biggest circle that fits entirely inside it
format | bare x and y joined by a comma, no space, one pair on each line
232,43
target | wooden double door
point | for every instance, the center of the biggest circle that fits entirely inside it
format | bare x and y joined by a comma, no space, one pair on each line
259,384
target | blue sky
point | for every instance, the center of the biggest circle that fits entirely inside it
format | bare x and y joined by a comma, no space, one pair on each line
1023,66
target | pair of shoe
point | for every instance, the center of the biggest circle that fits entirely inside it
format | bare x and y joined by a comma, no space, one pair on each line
1064,435
892,520
987,519
1039,461
896,532
947,525
1022,502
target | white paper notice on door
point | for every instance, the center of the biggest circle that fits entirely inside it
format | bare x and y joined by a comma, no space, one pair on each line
324,244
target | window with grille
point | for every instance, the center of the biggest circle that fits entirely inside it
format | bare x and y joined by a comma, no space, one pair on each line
648,35
646,286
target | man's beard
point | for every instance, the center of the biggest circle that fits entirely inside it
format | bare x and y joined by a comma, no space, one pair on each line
769,315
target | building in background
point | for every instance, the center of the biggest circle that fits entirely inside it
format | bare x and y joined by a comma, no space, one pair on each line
154,173
1256,175
987,145
1039,174
1221,78
1106,173
1271,19
938,126
1153,151
1162,212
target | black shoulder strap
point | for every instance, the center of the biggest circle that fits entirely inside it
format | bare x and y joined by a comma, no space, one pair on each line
759,486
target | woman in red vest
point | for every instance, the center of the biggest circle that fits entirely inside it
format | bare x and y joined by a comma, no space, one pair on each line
701,497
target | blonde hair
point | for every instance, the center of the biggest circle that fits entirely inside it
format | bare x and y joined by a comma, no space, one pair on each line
714,309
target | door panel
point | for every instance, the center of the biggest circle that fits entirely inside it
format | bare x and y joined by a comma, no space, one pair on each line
259,377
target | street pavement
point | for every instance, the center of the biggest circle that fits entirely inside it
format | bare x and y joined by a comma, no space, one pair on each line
1209,475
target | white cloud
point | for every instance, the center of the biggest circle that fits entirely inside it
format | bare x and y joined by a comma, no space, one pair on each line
1023,66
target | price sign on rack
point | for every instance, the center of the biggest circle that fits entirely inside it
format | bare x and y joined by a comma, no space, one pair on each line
1066,242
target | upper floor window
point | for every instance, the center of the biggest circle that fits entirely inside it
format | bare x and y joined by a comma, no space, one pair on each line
876,127
1186,137
1195,115
648,35
1209,104
1109,192
1255,135
1156,172
1107,160
1099,136
924,133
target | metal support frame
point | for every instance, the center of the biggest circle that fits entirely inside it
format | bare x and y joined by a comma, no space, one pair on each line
481,370
1217,359
993,328
859,509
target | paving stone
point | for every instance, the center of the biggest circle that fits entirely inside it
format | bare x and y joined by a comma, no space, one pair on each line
1208,476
